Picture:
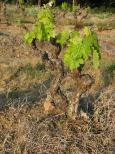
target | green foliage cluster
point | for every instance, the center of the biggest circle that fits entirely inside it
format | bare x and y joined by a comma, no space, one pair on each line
80,48
65,6
21,2
62,38
43,29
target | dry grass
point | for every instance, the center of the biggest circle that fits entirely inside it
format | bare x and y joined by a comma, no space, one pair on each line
27,130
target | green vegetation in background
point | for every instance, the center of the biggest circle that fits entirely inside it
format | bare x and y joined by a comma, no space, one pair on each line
91,3
65,6
101,10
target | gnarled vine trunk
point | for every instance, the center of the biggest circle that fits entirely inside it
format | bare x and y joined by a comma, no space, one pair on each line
65,86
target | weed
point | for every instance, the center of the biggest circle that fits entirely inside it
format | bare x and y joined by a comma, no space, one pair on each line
111,67
108,73
34,71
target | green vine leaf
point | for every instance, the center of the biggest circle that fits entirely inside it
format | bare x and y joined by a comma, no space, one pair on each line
80,48
43,29
62,38
87,31
29,37
95,59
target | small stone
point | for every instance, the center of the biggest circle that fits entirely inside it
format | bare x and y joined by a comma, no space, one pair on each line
84,115
48,106
18,55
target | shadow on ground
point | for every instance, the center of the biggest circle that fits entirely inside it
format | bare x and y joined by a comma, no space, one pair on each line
29,96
